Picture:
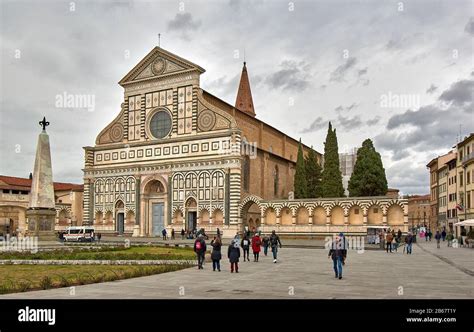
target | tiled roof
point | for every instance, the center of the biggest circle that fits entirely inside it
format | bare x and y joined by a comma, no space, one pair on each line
12,182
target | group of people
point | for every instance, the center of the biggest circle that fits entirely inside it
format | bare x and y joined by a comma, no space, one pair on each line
234,249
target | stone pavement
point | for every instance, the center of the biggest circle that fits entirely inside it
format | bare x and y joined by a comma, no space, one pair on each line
300,273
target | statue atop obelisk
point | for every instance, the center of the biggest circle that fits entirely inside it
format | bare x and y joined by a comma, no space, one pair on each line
41,212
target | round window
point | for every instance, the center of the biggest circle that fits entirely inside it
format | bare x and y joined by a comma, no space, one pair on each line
160,124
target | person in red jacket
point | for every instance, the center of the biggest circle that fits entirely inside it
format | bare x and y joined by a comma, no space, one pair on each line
256,243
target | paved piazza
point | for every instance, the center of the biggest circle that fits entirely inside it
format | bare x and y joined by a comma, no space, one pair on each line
445,273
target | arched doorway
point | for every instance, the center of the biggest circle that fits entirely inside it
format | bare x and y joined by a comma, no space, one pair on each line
154,202
119,217
191,214
250,213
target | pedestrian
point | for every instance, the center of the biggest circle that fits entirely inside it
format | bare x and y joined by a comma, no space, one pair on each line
397,242
399,233
430,234
218,233
233,253
182,233
172,233
163,232
338,253
99,236
216,253
246,247
382,239
438,239
409,242
389,239
266,244
200,250
450,238
256,243
443,235
274,241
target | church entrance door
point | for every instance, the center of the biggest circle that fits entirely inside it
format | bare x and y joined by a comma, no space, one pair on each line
192,222
157,219
120,223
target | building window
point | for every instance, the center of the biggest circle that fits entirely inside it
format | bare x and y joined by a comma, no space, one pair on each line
461,174
160,124
468,177
468,199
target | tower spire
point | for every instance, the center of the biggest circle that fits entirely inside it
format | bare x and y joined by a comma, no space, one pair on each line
244,101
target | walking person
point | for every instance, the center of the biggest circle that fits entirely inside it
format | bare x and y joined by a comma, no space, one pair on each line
266,244
389,239
233,253
182,233
409,242
338,253
200,250
172,233
274,242
450,238
99,236
218,233
438,239
256,243
216,254
397,242
163,232
443,234
246,247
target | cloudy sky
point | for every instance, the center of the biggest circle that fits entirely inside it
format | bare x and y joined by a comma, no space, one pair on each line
399,72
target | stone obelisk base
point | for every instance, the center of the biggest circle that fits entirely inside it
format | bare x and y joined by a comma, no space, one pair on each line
41,223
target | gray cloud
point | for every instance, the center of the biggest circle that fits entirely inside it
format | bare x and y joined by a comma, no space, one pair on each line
183,23
427,128
372,122
469,28
317,124
348,123
293,76
349,108
431,89
340,72
459,93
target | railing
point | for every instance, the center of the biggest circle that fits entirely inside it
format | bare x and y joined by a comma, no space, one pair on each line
468,157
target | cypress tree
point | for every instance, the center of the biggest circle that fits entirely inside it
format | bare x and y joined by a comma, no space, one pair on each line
313,175
300,175
368,177
332,177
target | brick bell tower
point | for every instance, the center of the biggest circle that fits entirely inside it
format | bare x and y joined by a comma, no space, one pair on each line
244,101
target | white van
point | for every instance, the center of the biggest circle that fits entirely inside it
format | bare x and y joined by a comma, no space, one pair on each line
79,234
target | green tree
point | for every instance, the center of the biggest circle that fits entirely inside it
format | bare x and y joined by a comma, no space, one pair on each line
300,175
368,177
332,178
313,175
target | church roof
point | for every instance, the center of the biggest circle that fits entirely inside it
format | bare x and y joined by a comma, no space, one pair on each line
16,183
159,63
244,101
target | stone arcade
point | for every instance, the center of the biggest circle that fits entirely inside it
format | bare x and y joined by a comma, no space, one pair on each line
173,158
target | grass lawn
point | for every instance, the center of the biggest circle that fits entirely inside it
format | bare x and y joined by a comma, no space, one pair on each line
22,278
134,252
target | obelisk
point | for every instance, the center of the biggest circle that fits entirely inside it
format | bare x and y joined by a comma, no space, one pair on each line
41,212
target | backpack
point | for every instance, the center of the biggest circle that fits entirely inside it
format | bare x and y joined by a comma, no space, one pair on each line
198,245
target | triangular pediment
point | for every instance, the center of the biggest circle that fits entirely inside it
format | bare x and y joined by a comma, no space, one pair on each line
159,63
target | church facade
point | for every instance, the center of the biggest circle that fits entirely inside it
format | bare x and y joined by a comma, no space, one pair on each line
178,157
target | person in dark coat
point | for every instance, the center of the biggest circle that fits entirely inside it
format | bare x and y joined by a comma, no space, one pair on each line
172,233
274,241
266,244
216,254
409,242
246,247
256,243
443,234
182,233
163,232
338,253
200,250
233,253
438,239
